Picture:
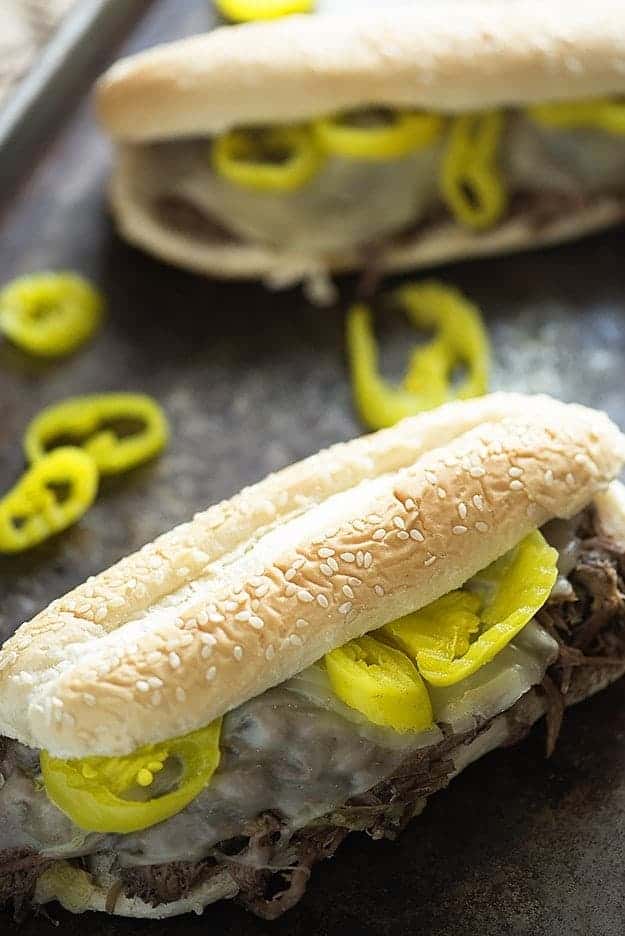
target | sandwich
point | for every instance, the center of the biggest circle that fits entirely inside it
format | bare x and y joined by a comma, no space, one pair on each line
421,134
320,654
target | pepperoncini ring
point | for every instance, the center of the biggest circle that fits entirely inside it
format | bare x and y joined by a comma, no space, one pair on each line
273,159
496,604
93,422
48,498
598,114
49,314
470,182
461,339
381,682
240,11
104,794
361,138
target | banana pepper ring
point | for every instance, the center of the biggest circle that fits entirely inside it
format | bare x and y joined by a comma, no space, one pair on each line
239,11
496,604
461,339
90,422
49,314
470,182
602,114
50,497
275,159
382,683
111,794
377,136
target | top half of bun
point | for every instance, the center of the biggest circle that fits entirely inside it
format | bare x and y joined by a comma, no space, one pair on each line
444,56
258,587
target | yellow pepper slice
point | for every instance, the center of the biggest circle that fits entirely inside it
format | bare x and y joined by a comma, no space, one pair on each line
118,430
377,135
47,499
49,314
381,682
461,339
599,114
470,182
239,11
274,159
111,794
498,602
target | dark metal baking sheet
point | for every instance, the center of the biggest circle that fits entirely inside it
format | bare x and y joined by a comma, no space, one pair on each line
252,381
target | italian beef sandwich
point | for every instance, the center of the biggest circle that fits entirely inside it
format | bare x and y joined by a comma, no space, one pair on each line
320,654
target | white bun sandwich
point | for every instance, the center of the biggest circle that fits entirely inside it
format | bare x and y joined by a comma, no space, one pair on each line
230,617
561,176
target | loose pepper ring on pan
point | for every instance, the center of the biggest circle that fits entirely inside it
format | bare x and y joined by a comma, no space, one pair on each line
377,135
496,604
105,426
240,11
460,339
470,181
49,314
112,794
47,499
272,159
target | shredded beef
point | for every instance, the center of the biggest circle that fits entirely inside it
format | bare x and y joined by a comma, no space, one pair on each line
271,866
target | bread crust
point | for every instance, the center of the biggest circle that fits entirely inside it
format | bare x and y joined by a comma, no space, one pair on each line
433,56
258,587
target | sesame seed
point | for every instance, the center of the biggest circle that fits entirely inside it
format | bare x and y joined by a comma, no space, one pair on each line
290,574
409,504
430,476
262,590
580,459
333,565
378,590
368,560
256,622
462,510
155,682
442,493
403,535
348,557
208,639
459,530
476,471
325,553
515,472
142,685
296,640
256,581
290,589
174,660
348,592
549,476
301,623
254,604
478,502
325,569
156,698
322,601
153,657
481,527
379,535
211,672
570,480
516,485
181,695
360,558
429,559
269,652
399,523
417,535
216,618
374,518
237,653
345,608
207,651
230,605
304,595
242,616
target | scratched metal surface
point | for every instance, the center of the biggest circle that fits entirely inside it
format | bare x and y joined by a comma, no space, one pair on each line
252,381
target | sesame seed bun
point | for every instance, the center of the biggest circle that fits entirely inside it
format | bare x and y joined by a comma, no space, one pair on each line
476,55
258,587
